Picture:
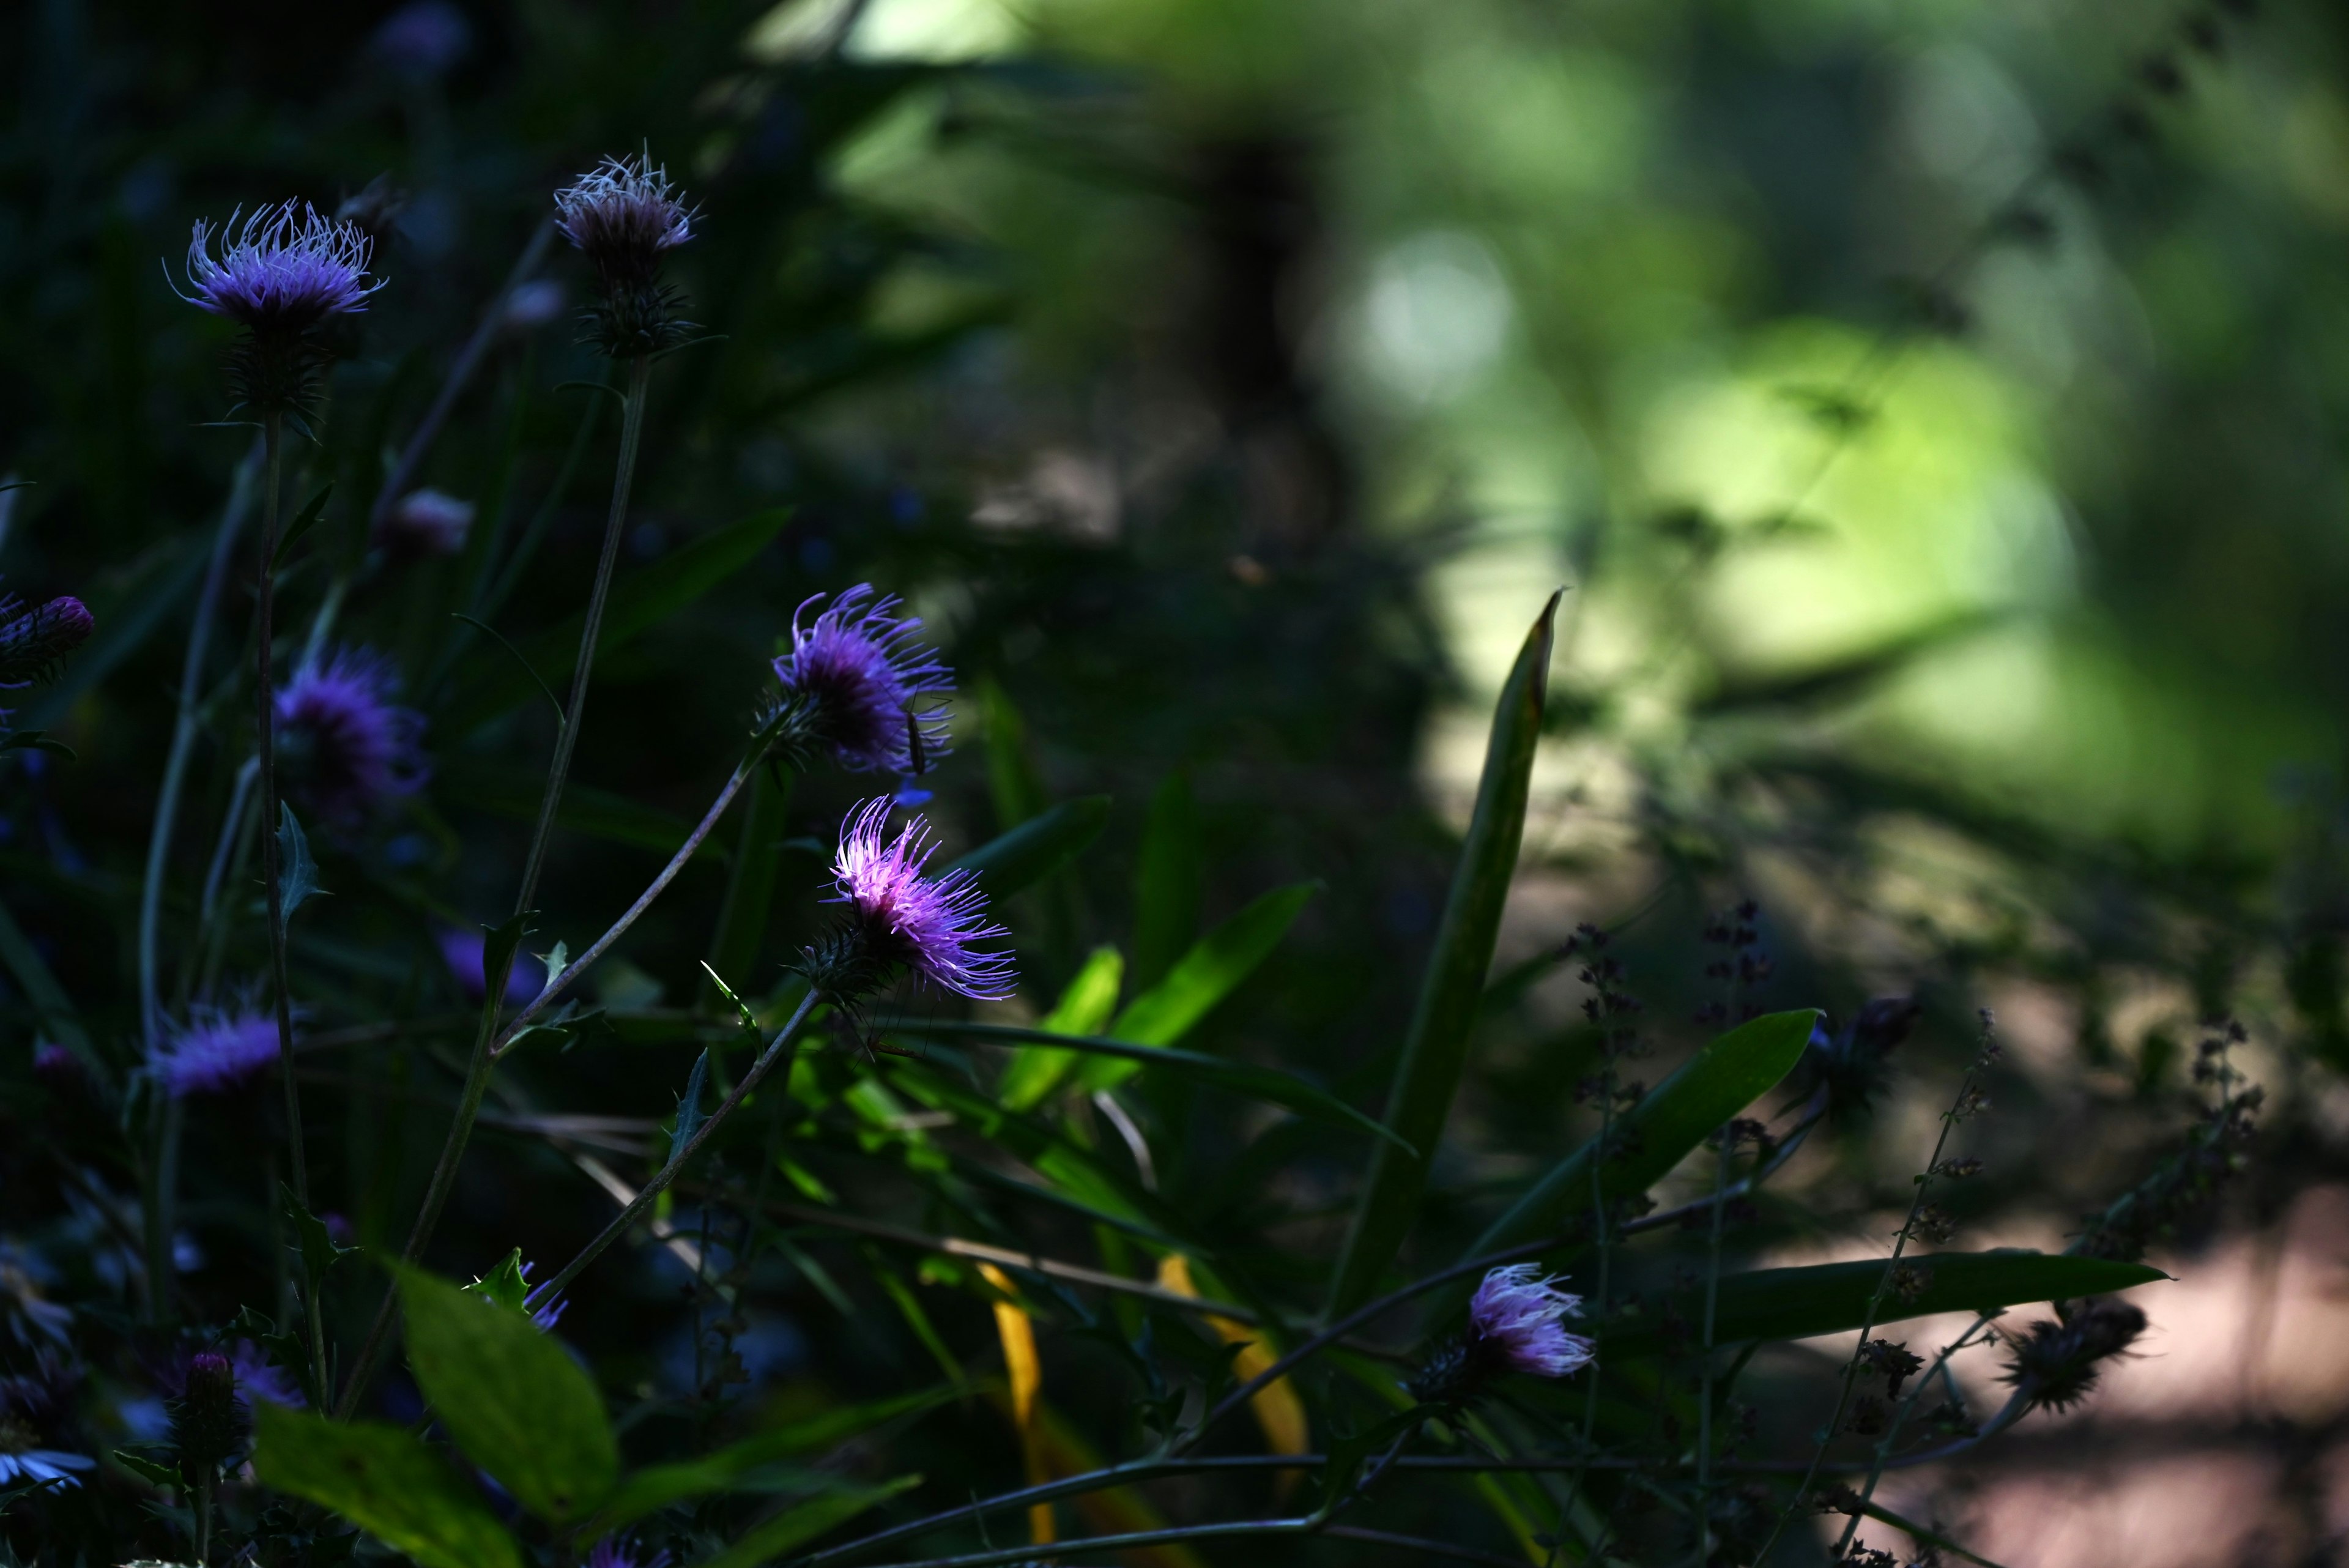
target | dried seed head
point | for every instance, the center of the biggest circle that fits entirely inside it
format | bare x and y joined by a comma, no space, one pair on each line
2056,1364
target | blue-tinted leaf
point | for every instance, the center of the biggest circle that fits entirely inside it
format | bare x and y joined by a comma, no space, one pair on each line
688,1106
1435,1043
298,874
384,1480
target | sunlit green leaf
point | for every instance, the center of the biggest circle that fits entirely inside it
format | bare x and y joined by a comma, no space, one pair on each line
384,1480
1166,883
512,1398
1084,1008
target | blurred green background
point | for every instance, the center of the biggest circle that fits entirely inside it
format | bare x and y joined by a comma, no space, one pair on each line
1934,412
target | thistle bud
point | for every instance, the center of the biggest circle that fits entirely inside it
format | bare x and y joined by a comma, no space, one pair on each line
35,645
208,1421
2056,1364
625,219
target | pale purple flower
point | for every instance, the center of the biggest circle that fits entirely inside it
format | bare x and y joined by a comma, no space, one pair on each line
1515,1320
217,1048
534,304
260,1378
863,675
930,925
348,750
52,1467
622,215
283,271
613,1552
461,951
423,40
425,523
625,218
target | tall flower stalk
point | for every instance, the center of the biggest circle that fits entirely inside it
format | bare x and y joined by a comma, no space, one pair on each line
624,218
281,275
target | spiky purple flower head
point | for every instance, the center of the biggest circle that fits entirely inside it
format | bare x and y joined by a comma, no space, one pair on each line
283,271
1516,1316
624,217
424,523
901,917
613,1552
346,749
855,681
217,1048
35,643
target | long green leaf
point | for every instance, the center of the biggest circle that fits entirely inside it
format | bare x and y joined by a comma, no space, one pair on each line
1832,1298
638,602
805,1521
1268,1084
659,1485
384,1480
1084,1008
1435,1046
512,1398
1655,1135
1166,881
1211,971
1037,847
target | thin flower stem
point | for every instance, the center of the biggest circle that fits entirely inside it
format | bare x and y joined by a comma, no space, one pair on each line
659,885
1598,1300
477,1074
778,1049
1883,1451
1705,1392
184,740
1182,1533
163,1186
1875,1304
265,697
228,859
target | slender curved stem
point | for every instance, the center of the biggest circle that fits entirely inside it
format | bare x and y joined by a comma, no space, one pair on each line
1180,1533
659,885
1705,1392
778,1049
477,1074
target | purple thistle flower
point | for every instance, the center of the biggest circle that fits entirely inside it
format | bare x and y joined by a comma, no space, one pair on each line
34,643
347,749
623,214
1514,1320
624,218
859,676
613,1552
216,1049
425,523
260,1378
930,925
286,269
